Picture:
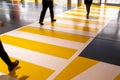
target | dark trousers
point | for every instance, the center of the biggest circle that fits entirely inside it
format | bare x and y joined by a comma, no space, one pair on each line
46,4
88,8
4,55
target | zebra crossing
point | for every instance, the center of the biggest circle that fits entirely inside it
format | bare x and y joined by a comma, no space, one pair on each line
50,52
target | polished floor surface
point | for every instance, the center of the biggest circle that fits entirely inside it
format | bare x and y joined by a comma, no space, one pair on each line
72,48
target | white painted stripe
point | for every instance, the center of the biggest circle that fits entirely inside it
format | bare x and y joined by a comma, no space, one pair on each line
83,10
105,15
47,39
1,73
40,59
67,30
101,71
81,17
70,22
69,61
96,10
4,76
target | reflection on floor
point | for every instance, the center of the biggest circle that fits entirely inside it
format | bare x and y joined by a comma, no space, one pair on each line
72,48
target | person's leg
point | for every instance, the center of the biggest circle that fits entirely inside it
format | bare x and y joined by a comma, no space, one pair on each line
51,11
88,9
44,8
11,65
4,55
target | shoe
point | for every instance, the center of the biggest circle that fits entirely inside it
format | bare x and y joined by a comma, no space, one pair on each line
14,64
41,23
87,16
53,20
2,24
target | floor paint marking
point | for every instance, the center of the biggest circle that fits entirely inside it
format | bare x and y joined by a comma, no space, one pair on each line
27,71
75,23
37,58
77,66
84,15
46,39
83,18
55,34
100,71
80,20
73,26
66,30
118,77
46,48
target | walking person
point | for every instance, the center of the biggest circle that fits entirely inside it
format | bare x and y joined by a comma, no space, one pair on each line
46,4
88,5
11,65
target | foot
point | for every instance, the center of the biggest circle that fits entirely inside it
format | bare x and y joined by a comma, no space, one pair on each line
53,20
41,23
14,64
2,24
87,16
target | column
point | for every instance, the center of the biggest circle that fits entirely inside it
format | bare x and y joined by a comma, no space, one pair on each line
69,3
79,3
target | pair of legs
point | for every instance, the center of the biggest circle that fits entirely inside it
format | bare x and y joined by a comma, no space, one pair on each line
11,65
88,10
47,4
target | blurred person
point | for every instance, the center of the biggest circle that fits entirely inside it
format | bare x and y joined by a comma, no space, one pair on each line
88,5
46,4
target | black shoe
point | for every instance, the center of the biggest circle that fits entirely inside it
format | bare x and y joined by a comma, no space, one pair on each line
87,16
41,23
53,20
14,64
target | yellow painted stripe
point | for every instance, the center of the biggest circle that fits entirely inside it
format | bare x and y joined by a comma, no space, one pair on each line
76,67
80,20
39,46
92,6
95,6
84,15
74,26
51,33
118,77
27,71
84,10
111,7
